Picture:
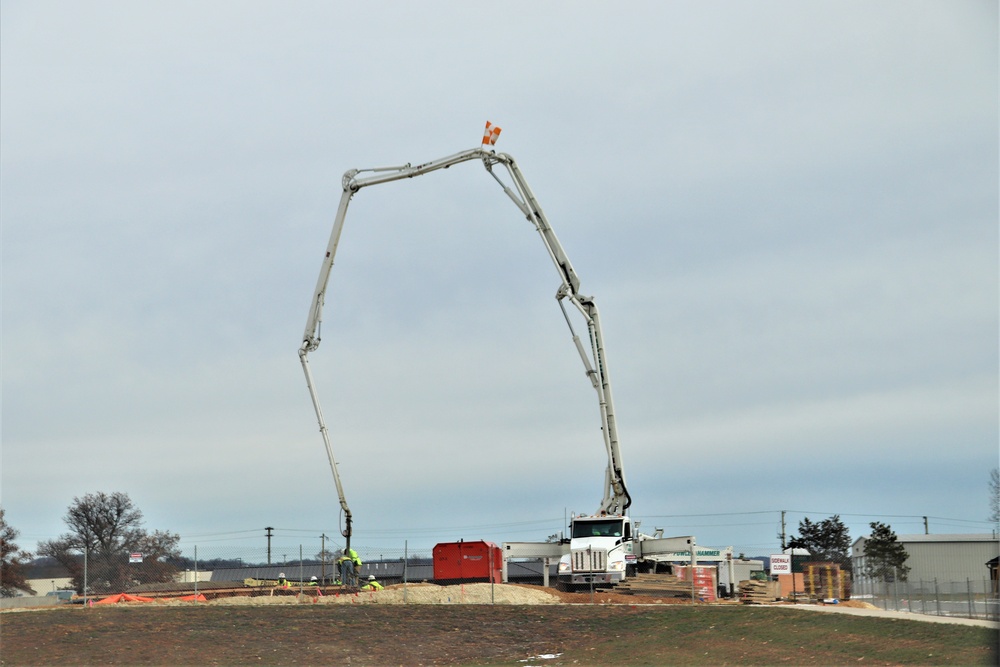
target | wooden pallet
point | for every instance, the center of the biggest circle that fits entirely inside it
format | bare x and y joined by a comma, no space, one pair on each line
653,584
759,592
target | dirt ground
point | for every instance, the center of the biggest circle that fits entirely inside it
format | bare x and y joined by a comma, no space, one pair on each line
419,624
471,624
478,593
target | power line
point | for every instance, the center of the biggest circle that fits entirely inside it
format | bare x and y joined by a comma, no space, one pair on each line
684,516
232,532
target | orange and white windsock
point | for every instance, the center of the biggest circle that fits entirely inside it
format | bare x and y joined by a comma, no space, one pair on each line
491,134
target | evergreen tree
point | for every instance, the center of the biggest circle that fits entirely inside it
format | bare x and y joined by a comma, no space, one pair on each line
827,540
12,561
885,558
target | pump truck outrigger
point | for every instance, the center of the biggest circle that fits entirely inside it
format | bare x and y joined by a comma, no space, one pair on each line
616,497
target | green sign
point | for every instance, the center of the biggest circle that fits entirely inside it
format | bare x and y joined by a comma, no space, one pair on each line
700,552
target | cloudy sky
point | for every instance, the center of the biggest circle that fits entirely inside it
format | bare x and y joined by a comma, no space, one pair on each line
786,211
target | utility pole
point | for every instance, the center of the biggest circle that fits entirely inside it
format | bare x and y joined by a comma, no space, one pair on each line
269,530
926,529
782,531
322,556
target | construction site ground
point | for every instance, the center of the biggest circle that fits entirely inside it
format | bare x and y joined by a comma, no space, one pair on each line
476,624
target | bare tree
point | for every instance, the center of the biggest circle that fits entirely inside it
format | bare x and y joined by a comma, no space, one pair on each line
327,556
995,497
12,561
108,528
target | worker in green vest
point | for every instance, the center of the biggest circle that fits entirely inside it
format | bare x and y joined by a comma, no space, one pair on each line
350,566
356,559
372,585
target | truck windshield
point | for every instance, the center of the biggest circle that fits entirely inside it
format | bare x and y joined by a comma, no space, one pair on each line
598,528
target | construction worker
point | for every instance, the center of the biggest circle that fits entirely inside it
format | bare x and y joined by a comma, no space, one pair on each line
282,582
356,559
349,565
313,581
372,585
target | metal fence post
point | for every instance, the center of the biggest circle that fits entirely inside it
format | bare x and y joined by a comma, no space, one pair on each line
406,560
968,590
937,596
694,561
987,594
301,574
196,573
923,598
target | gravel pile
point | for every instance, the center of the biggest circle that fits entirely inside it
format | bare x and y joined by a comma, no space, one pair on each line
415,594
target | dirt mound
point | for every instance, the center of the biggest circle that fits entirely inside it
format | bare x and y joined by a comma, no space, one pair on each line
857,604
415,594
512,594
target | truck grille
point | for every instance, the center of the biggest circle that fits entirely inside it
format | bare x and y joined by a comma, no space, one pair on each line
590,560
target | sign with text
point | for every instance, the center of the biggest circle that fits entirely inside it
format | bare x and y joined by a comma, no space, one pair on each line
781,564
135,558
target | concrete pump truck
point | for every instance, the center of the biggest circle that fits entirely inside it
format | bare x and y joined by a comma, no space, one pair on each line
601,544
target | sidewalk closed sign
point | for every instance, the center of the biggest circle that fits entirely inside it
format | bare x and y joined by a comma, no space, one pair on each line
137,558
781,564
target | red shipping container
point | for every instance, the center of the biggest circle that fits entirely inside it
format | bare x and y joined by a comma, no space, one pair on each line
459,562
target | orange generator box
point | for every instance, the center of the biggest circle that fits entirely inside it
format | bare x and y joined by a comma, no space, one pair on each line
460,562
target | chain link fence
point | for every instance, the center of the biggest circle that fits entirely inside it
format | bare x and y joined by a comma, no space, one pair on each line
319,568
310,569
967,599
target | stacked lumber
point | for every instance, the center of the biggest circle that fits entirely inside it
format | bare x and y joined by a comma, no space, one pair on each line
759,592
826,581
666,585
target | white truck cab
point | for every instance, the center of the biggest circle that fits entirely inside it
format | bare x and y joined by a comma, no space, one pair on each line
600,551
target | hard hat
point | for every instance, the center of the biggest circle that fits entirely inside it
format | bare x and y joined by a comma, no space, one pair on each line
282,575
371,577
312,578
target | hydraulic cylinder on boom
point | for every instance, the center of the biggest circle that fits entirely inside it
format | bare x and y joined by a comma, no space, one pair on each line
616,498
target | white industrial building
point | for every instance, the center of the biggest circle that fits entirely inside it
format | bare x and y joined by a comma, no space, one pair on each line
947,563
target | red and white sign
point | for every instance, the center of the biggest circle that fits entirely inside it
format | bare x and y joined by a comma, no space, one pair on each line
135,558
781,564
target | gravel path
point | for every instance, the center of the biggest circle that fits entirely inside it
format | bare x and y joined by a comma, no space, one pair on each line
881,613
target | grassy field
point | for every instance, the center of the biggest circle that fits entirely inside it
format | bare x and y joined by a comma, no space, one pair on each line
553,635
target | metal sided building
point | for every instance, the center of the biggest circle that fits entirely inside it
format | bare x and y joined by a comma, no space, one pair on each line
947,562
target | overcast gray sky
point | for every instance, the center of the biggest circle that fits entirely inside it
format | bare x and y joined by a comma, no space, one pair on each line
786,211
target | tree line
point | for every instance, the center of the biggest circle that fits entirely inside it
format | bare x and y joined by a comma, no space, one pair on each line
104,528
829,541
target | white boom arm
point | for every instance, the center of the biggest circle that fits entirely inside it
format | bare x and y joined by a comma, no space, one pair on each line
616,498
